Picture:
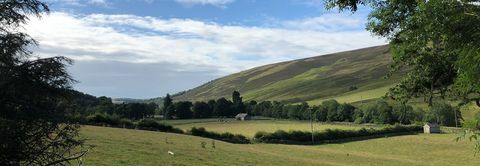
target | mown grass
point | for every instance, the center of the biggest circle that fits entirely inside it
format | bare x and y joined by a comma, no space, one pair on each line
249,128
114,146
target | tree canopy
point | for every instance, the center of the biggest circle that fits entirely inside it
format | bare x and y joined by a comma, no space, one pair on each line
35,127
439,41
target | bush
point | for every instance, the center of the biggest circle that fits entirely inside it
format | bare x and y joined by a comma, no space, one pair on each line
227,137
149,124
304,137
444,114
127,123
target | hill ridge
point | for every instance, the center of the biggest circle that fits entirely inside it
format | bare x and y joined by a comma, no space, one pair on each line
306,79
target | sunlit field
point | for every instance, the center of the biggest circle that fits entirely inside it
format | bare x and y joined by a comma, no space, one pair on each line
115,146
249,128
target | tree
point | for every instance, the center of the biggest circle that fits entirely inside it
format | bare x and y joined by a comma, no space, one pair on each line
35,127
167,102
331,108
403,113
223,107
320,113
237,103
201,110
182,109
444,114
250,106
438,40
345,112
383,113
169,112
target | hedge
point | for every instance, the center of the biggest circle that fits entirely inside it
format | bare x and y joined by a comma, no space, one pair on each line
149,124
329,135
227,137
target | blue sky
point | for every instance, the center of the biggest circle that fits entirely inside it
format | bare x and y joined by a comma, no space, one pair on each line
147,48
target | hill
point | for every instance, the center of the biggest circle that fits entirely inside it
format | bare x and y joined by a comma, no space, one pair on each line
346,76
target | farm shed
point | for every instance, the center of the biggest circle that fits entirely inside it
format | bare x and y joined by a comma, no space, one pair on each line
431,128
242,116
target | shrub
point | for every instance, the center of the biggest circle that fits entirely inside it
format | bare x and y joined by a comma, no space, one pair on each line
304,137
227,137
149,124
444,114
127,123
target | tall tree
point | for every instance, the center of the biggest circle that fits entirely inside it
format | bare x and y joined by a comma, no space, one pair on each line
167,102
34,125
238,105
183,109
201,110
222,107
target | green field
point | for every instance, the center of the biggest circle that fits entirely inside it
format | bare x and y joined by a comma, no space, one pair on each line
249,128
115,146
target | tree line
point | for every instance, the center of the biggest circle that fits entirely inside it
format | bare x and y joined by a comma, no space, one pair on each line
378,112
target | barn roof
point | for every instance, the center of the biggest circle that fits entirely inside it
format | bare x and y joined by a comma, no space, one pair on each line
241,115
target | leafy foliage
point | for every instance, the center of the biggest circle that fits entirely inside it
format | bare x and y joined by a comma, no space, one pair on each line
35,123
227,137
304,137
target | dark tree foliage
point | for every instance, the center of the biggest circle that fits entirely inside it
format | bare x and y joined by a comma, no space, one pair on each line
444,114
223,107
403,113
169,112
34,96
211,105
183,110
238,105
320,113
249,107
331,108
201,110
167,102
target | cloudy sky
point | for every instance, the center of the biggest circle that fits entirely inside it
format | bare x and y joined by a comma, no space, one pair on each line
147,48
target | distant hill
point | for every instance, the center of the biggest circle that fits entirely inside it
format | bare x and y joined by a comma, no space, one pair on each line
347,76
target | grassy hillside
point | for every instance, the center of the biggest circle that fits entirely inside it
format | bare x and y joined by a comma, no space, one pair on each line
115,146
312,79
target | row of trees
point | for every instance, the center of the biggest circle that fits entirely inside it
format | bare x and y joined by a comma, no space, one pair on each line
86,106
213,108
379,112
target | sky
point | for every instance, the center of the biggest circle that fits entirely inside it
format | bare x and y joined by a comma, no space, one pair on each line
147,48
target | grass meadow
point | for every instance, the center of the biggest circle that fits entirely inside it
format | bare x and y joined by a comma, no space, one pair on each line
249,128
114,146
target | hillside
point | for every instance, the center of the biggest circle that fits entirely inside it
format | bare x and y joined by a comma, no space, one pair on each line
348,76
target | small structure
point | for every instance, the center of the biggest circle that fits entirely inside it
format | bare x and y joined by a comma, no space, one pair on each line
431,128
242,116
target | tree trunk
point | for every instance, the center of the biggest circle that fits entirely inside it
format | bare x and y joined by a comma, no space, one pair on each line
478,102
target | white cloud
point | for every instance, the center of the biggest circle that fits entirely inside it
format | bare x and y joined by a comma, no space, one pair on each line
80,2
190,44
220,3
328,22
98,2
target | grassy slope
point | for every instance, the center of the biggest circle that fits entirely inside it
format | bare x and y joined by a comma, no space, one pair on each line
135,147
312,79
